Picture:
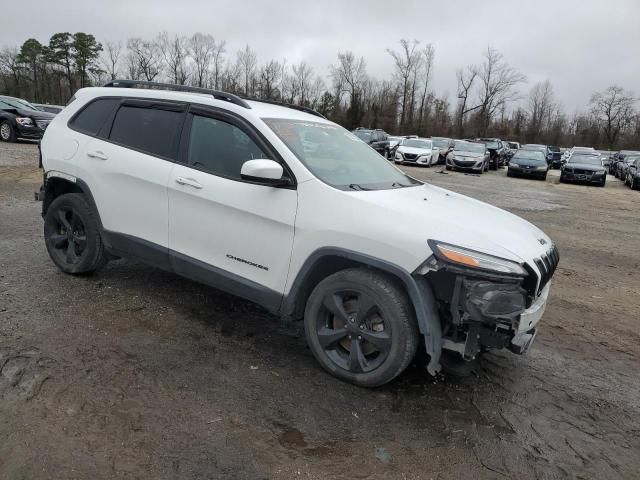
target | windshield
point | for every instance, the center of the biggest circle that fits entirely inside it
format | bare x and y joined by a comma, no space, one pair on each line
463,146
416,143
363,135
532,155
15,103
586,159
629,159
337,157
440,142
490,143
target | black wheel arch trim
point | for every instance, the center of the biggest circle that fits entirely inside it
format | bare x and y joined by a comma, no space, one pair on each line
418,289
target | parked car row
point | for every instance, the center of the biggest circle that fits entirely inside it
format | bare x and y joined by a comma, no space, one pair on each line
21,119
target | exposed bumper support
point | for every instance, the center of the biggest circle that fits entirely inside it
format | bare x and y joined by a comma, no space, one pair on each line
432,330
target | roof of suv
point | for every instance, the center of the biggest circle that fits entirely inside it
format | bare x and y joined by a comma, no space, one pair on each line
258,108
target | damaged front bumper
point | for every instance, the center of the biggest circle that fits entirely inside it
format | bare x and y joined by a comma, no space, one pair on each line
478,312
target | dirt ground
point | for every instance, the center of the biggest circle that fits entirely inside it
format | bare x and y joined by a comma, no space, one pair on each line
136,373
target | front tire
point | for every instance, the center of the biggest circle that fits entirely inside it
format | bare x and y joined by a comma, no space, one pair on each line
72,235
361,327
7,132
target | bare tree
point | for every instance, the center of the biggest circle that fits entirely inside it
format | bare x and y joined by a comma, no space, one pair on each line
614,111
428,54
351,74
302,77
202,47
219,49
405,63
270,76
144,58
541,106
10,65
247,60
111,58
466,78
175,53
498,83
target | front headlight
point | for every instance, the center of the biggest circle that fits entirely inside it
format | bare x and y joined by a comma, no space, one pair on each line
600,172
541,167
512,164
24,121
476,260
398,156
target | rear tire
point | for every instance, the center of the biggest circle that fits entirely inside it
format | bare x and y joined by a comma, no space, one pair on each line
361,327
72,235
7,132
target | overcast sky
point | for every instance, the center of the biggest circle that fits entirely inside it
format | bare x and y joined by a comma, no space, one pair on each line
580,45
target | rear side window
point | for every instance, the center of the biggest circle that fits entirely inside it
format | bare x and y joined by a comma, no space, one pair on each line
91,119
149,130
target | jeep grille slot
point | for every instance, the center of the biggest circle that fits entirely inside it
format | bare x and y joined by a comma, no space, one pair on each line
547,264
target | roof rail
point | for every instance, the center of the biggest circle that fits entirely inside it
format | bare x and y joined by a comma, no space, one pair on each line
227,97
288,105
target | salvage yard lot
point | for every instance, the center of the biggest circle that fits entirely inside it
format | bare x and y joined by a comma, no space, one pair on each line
137,373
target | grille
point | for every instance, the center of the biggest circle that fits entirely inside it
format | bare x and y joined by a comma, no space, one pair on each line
582,172
410,156
465,163
547,264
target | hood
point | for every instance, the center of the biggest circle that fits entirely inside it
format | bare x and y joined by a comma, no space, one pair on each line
462,153
584,166
35,114
428,212
416,150
527,162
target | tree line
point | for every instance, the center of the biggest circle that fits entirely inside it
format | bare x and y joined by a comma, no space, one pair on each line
490,100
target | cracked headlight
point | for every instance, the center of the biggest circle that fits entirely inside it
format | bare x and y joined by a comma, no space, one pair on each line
475,260
24,121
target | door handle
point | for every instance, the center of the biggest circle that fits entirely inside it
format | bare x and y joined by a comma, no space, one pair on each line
97,154
188,181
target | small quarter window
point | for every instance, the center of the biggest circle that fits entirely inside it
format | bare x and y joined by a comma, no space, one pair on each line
91,119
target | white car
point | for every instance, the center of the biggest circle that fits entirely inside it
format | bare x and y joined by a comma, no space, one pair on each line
417,151
282,207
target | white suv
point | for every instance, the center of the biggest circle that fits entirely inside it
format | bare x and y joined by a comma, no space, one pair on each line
278,205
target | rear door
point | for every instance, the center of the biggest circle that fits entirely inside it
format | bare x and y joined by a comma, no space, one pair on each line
128,171
230,233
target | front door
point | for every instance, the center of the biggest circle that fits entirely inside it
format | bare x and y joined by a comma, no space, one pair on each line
224,231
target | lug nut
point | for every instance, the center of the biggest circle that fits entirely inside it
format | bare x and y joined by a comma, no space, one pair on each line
359,337
361,327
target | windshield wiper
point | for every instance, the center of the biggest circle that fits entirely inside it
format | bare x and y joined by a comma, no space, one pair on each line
399,185
355,186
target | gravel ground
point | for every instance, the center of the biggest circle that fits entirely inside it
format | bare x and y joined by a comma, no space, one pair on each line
137,373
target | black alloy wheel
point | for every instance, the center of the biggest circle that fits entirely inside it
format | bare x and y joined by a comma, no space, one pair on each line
67,236
361,326
352,331
72,235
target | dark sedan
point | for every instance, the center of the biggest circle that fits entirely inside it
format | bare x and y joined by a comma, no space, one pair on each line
633,174
20,119
583,168
377,139
528,163
554,156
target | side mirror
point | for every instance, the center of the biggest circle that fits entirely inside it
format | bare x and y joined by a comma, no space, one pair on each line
264,171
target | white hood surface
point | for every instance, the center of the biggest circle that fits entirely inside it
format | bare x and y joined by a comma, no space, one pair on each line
429,212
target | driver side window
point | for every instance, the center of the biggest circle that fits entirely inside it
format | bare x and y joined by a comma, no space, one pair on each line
220,148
